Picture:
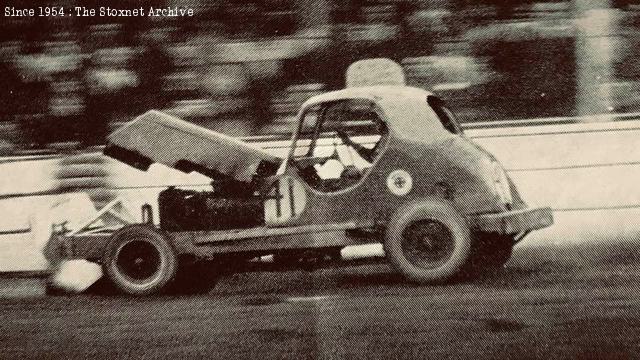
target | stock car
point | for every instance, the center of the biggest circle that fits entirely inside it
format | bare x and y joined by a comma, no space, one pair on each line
376,162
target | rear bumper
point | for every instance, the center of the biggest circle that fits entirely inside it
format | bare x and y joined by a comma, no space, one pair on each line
512,222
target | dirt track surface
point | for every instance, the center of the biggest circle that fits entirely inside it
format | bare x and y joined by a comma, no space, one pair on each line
571,302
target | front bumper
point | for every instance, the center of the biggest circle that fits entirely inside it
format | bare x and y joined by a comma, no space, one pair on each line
512,222
57,249
61,247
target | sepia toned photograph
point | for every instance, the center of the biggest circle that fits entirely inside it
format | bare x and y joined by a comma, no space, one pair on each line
320,179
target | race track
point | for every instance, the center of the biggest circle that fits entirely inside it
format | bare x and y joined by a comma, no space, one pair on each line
579,301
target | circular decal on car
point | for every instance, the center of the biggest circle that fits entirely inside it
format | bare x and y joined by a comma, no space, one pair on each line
399,182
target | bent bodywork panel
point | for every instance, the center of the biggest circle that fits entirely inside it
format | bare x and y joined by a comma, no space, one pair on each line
162,138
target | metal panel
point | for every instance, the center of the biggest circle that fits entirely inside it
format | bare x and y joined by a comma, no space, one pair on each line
158,137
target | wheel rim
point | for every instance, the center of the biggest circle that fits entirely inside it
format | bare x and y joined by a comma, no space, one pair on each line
427,244
139,261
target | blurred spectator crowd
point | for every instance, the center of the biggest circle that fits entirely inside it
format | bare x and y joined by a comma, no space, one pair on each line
243,67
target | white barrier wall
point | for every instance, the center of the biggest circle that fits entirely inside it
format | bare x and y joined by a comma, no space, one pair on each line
588,173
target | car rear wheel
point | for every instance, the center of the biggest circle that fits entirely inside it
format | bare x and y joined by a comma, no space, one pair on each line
139,260
428,242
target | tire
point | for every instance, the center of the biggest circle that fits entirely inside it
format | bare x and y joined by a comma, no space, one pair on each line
139,260
428,242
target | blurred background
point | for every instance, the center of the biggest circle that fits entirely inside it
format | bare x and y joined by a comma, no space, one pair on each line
243,67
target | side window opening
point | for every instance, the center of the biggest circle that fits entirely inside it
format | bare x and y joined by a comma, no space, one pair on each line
446,117
338,142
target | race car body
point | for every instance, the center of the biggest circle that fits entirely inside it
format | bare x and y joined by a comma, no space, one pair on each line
381,163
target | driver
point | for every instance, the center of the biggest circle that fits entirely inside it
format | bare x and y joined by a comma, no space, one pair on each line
368,154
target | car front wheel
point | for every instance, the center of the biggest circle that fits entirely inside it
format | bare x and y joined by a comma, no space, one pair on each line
139,260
